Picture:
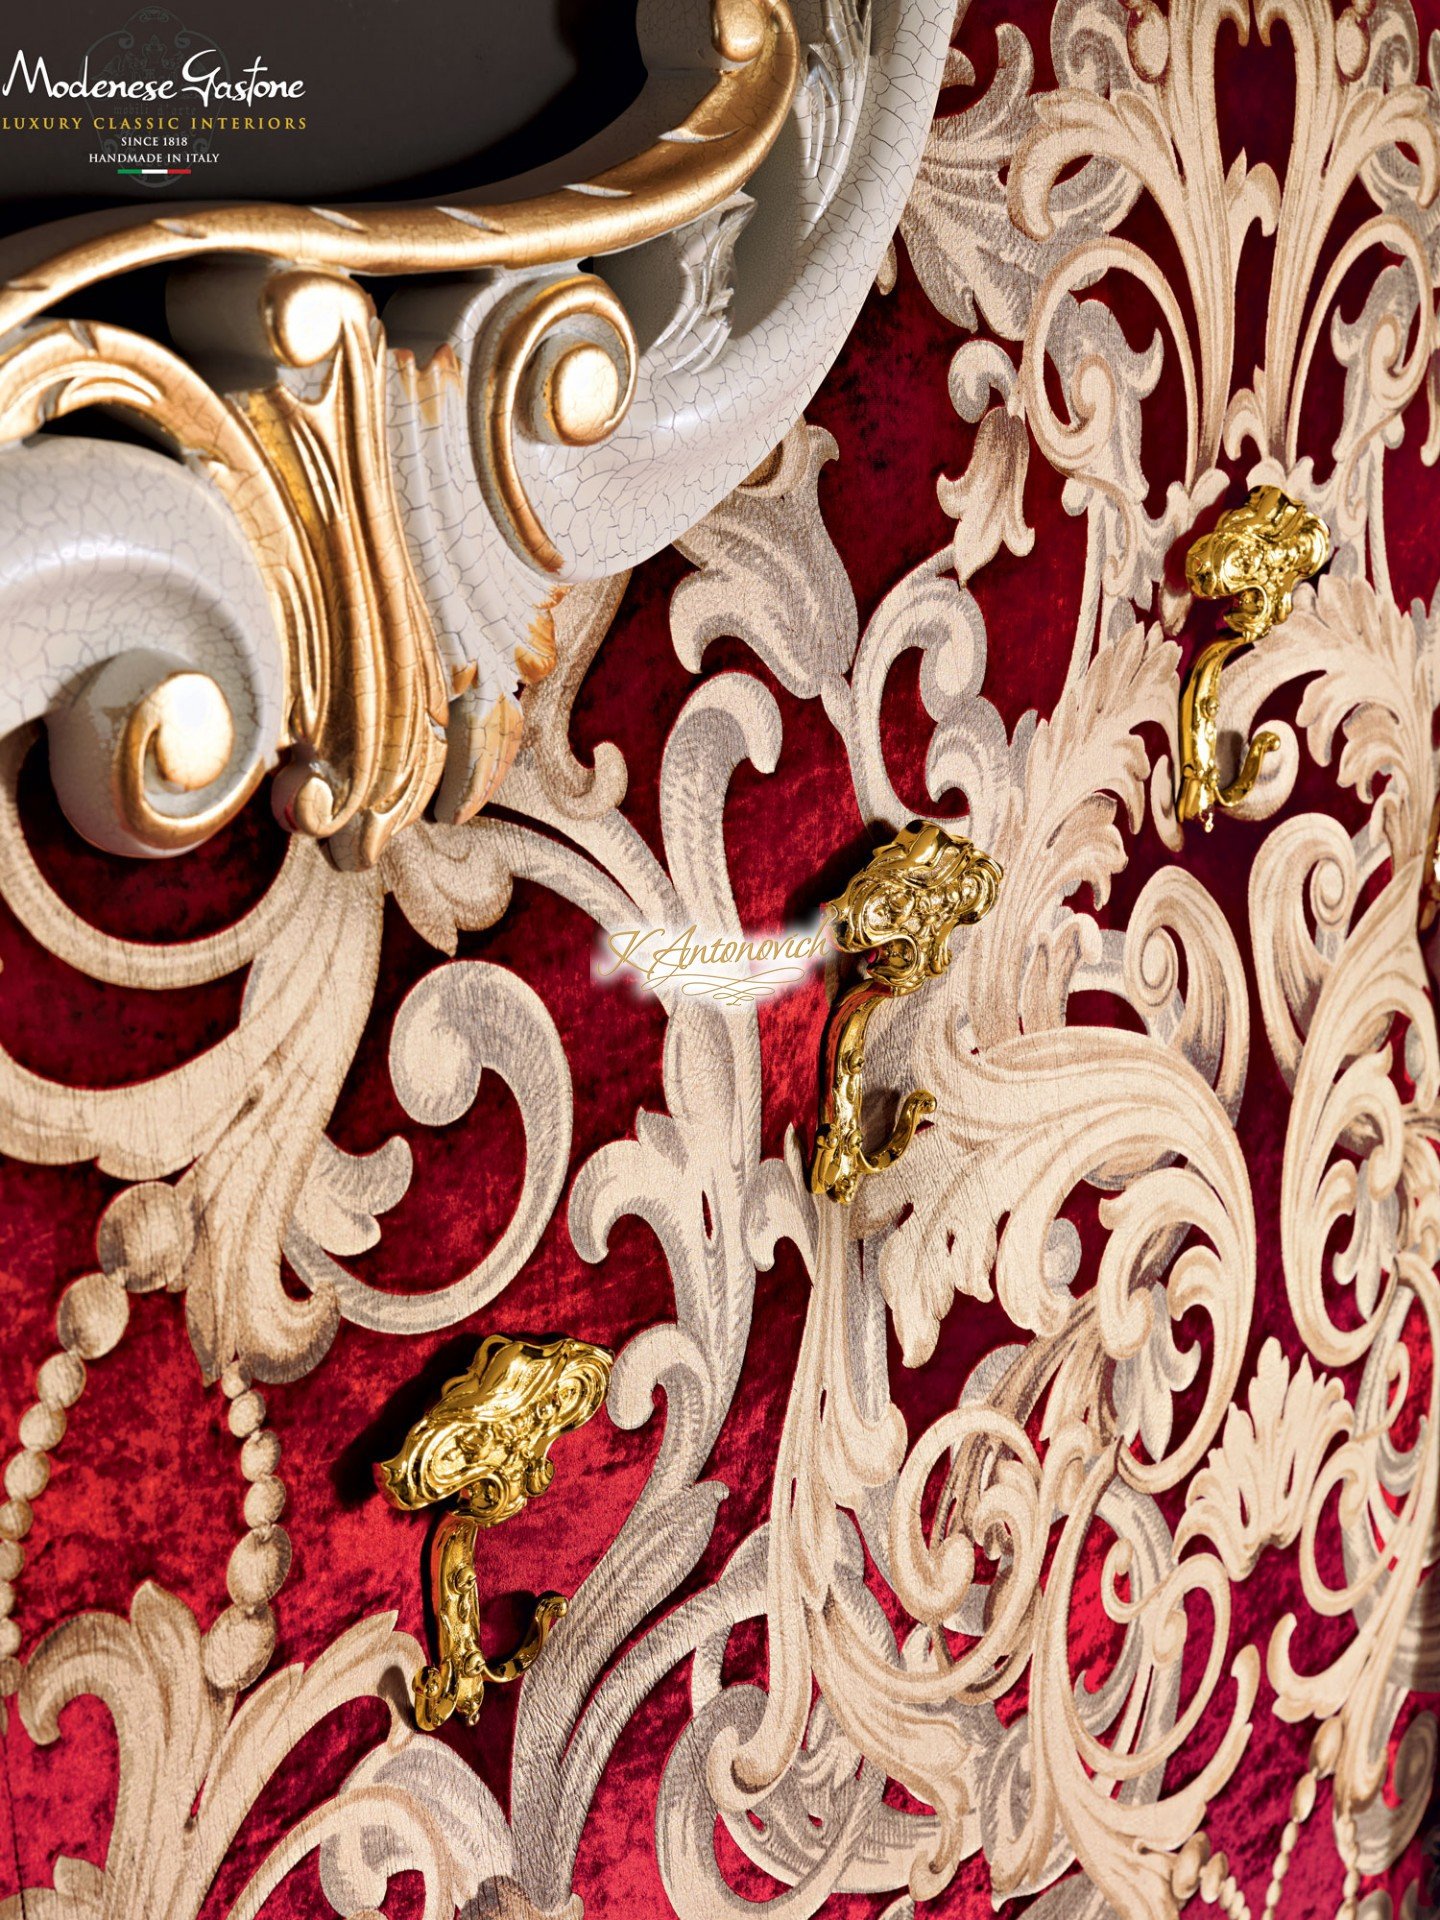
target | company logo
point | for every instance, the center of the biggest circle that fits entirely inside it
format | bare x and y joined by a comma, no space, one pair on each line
733,971
155,92
149,59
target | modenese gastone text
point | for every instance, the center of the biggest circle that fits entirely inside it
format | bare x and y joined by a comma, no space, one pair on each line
197,77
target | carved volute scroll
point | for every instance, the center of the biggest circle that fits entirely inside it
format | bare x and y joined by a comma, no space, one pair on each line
368,702
413,501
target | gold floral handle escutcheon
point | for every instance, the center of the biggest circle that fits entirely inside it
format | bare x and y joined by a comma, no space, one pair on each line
1258,553
900,911
486,1442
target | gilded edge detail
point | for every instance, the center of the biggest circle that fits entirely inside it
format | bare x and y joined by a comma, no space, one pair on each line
486,1443
1256,554
900,911
309,476
687,172
368,701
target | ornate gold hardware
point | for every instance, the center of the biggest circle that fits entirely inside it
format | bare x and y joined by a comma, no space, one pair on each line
487,1442
900,910
1259,553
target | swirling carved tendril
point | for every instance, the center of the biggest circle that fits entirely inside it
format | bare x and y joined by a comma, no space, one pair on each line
562,369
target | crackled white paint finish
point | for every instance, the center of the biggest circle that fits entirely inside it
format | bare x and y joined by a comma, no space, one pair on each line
826,202
132,548
117,569
691,437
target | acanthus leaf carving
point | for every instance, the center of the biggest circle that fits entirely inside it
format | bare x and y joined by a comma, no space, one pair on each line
183,1745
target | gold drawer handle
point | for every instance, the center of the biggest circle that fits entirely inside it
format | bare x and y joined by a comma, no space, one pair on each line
1258,553
900,911
487,1442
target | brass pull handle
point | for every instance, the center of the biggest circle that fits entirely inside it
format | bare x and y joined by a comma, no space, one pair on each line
456,1683
486,1442
900,911
1259,554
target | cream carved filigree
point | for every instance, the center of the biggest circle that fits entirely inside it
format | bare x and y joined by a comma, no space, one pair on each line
192,1764
417,487
1150,1426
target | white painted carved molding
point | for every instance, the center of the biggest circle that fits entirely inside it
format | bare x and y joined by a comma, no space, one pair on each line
346,558
130,598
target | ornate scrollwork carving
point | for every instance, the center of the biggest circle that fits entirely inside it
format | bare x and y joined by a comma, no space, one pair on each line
487,1442
306,464
309,480
117,734
368,703
900,910
413,496
562,369
1258,554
